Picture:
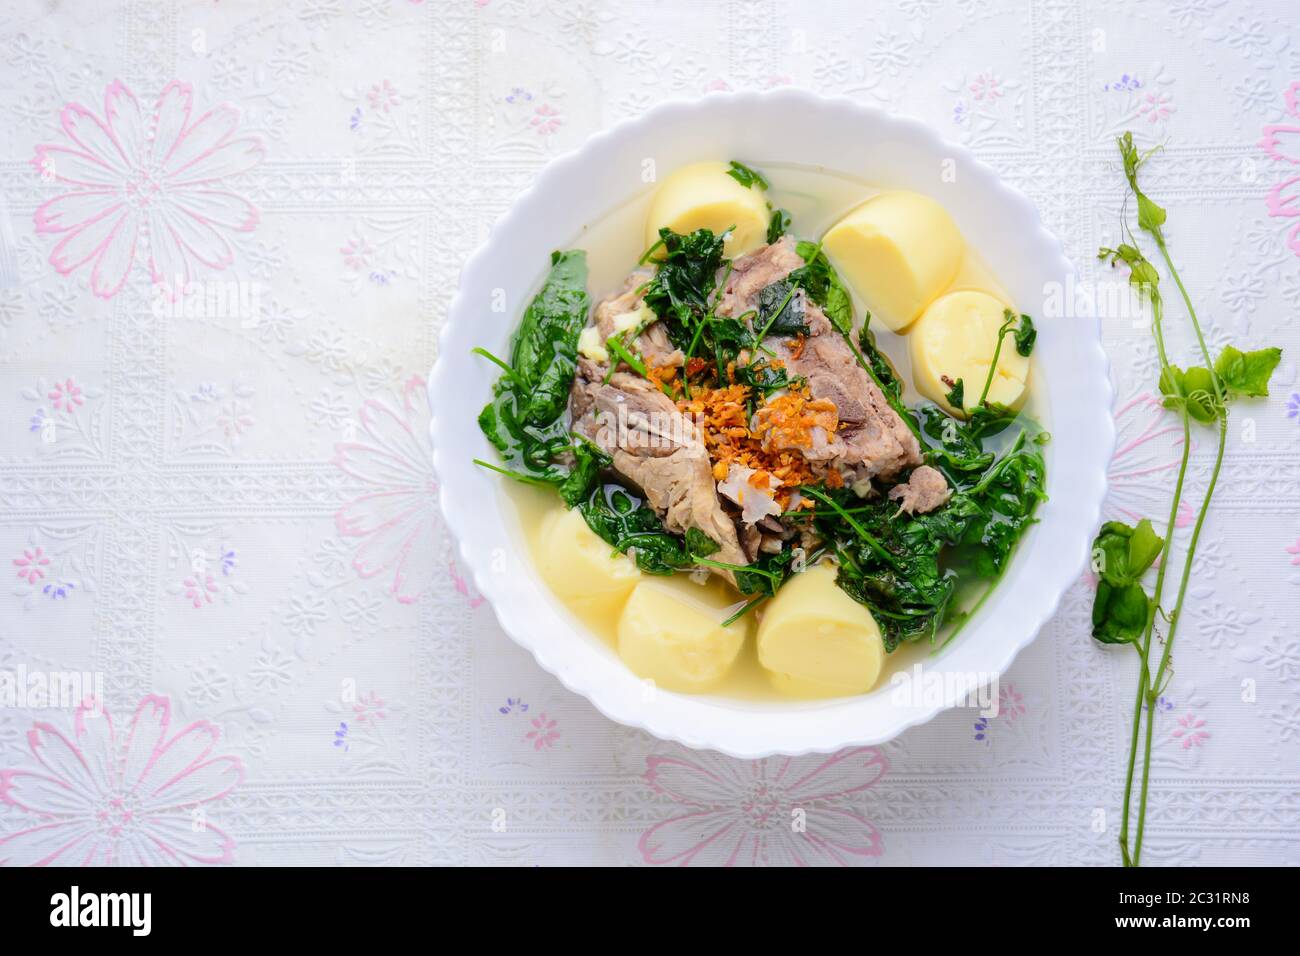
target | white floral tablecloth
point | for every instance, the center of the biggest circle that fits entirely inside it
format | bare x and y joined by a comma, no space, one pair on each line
223,513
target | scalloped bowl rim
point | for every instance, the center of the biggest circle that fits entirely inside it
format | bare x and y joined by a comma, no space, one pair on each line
1030,592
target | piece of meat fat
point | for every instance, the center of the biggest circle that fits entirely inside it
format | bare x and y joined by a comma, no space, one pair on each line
752,273
659,451
923,492
652,344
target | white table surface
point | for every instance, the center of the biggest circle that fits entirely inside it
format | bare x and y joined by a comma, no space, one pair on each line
204,511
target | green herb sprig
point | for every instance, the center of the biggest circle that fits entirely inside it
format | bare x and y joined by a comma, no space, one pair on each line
1122,612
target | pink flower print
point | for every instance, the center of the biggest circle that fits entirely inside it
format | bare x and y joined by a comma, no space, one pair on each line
357,253
66,396
1292,549
463,587
146,183
1282,142
234,420
397,522
1189,731
104,797
543,735
718,85
1147,452
199,589
369,708
1280,139
747,812
1011,703
546,120
32,564
1283,202
383,97
1156,107
986,86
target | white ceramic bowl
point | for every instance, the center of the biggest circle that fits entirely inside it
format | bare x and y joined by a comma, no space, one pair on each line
787,126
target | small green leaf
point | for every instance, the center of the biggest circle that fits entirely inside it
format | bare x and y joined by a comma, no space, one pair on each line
778,225
1247,373
1121,555
746,176
1119,615
1143,548
956,396
588,460
1026,336
699,544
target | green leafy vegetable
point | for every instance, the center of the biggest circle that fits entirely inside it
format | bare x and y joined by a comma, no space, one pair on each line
763,378
1121,555
545,349
685,292
905,568
749,178
881,369
956,395
778,225
1247,373
631,526
685,277
780,311
1193,390
818,278
524,420
1026,336
588,462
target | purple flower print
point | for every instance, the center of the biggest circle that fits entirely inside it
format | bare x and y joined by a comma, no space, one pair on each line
1125,84
32,564
142,171
514,704
354,121
341,736
110,796
519,95
982,729
57,590
543,735
1293,406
